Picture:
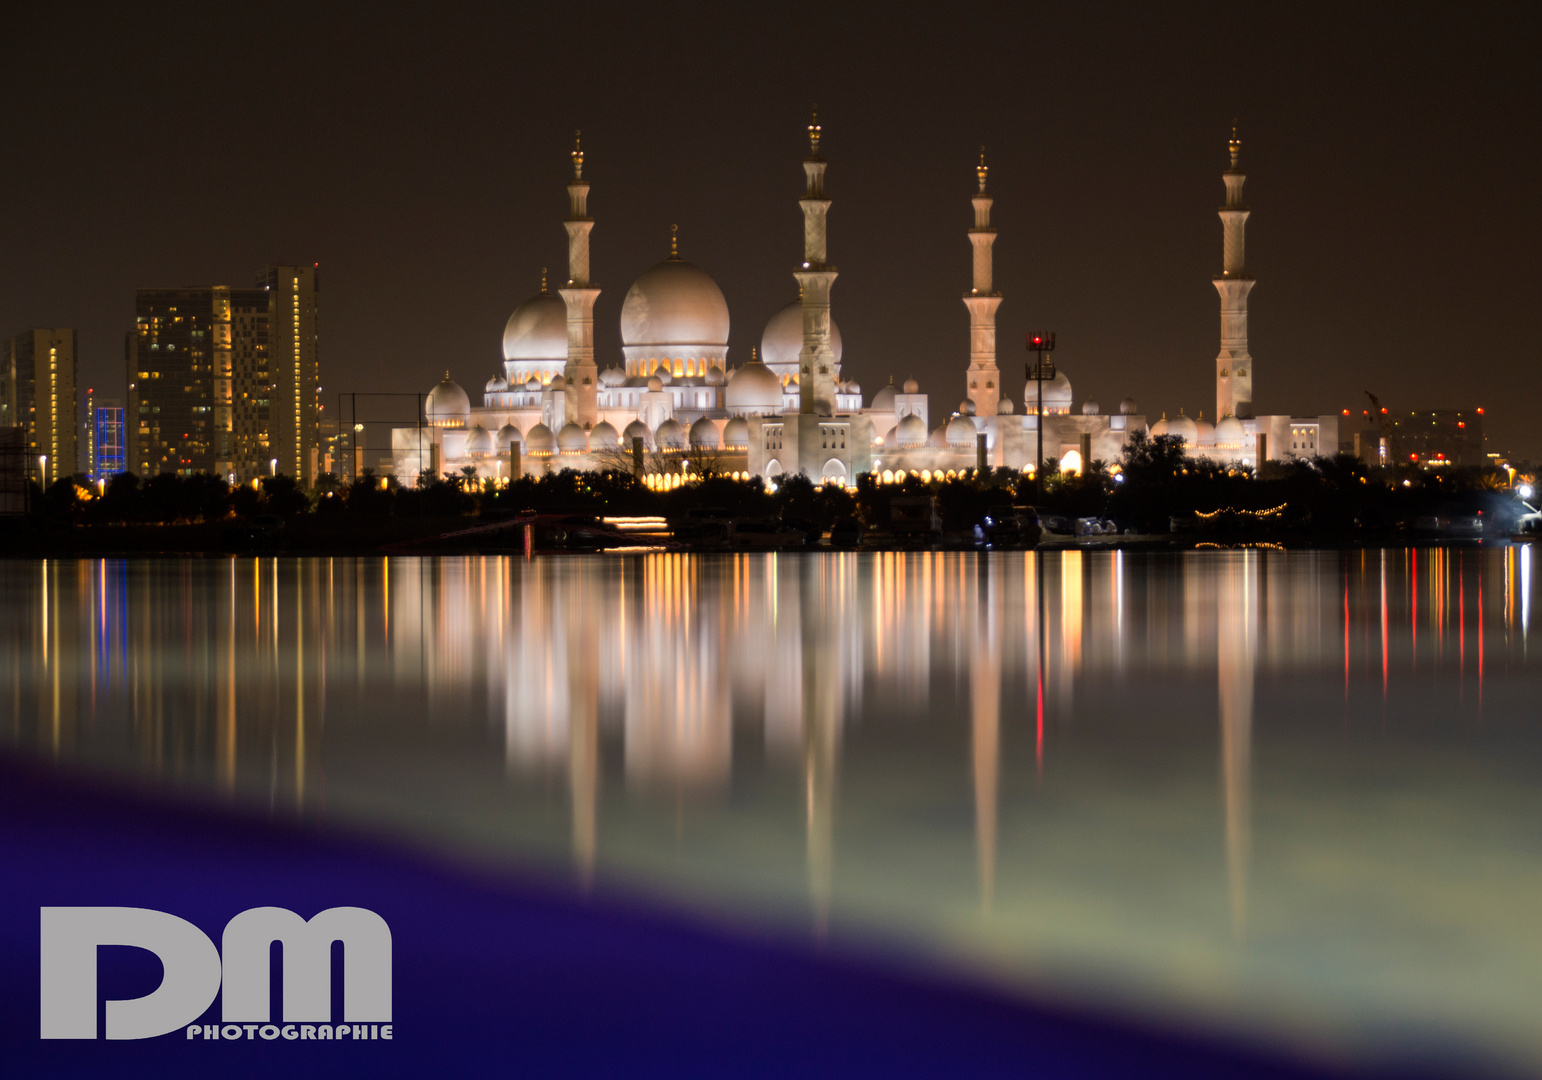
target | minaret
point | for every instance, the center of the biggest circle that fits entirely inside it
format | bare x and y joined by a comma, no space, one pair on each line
1234,365
816,360
579,294
982,302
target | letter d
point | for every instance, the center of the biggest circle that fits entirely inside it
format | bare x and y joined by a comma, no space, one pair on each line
70,936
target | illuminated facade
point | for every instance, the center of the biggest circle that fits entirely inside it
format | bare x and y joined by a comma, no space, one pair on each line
294,370
37,394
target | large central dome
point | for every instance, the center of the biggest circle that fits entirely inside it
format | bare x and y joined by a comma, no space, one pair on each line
674,303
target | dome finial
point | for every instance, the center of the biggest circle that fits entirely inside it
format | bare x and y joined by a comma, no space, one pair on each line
981,170
543,281
1235,145
674,243
578,155
814,132
754,355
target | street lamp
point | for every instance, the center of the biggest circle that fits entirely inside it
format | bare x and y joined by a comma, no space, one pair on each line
273,466
1037,372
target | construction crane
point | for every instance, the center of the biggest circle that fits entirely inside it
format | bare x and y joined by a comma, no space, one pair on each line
1391,448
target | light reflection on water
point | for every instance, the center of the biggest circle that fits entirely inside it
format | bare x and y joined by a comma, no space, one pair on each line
1287,792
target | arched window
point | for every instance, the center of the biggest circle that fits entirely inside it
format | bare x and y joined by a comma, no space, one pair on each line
679,368
690,367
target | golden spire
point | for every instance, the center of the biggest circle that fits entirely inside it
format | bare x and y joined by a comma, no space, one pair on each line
814,131
543,280
578,156
1235,145
981,170
754,357
674,242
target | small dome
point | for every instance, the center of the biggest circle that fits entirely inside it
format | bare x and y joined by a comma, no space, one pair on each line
447,404
938,439
1229,433
966,407
754,390
532,383
960,432
910,431
854,387
539,440
497,384
604,437
1184,428
558,383
538,330
736,433
884,399
782,341
1057,391
507,436
674,303
612,376
572,439
479,441
1204,434
636,430
1089,408
1004,407
890,438
715,376
1127,407
704,435
1160,427
655,384
670,435
912,387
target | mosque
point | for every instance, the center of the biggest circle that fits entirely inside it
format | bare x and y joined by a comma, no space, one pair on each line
674,405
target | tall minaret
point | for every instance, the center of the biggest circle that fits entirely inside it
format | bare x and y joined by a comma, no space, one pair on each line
982,302
1234,366
816,360
579,294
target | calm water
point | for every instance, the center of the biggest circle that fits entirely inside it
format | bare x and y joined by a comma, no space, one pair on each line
1293,795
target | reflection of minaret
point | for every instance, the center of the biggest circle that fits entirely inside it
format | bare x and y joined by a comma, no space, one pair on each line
816,360
1236,657
581,374
1234,365
824,613
982,302
985,709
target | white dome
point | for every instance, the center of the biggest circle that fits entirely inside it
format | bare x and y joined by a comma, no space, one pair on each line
674,303
938,439
532,383
497,384
655,384
612,376
1004,407
447,404
1057,393
670,435
1127,407
1160,427
507,436
854,387
910,431
884,399
736,433
1204,432
1184,428
912,387
539,440
961,432
479,441
571,439
664,376
783,338
753,389
538,330
1229,432
890,438
1089,408
604,437
558,383
966,407
637,430
704,435
715,376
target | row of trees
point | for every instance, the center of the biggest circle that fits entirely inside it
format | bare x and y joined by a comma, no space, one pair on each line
1154,482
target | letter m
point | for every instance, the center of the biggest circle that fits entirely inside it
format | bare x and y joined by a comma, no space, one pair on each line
307,964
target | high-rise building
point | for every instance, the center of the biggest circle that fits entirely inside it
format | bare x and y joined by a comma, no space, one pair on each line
198,385
39,397
295,369
107,432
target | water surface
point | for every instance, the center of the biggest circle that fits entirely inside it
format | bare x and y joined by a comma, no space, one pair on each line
1291,795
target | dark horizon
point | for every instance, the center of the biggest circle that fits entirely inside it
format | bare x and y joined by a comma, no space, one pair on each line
421,161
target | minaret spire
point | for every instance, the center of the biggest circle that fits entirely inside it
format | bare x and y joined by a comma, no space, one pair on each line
1234,364
982,301
579,294
816,360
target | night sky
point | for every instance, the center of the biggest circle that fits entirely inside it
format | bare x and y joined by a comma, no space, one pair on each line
419,155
